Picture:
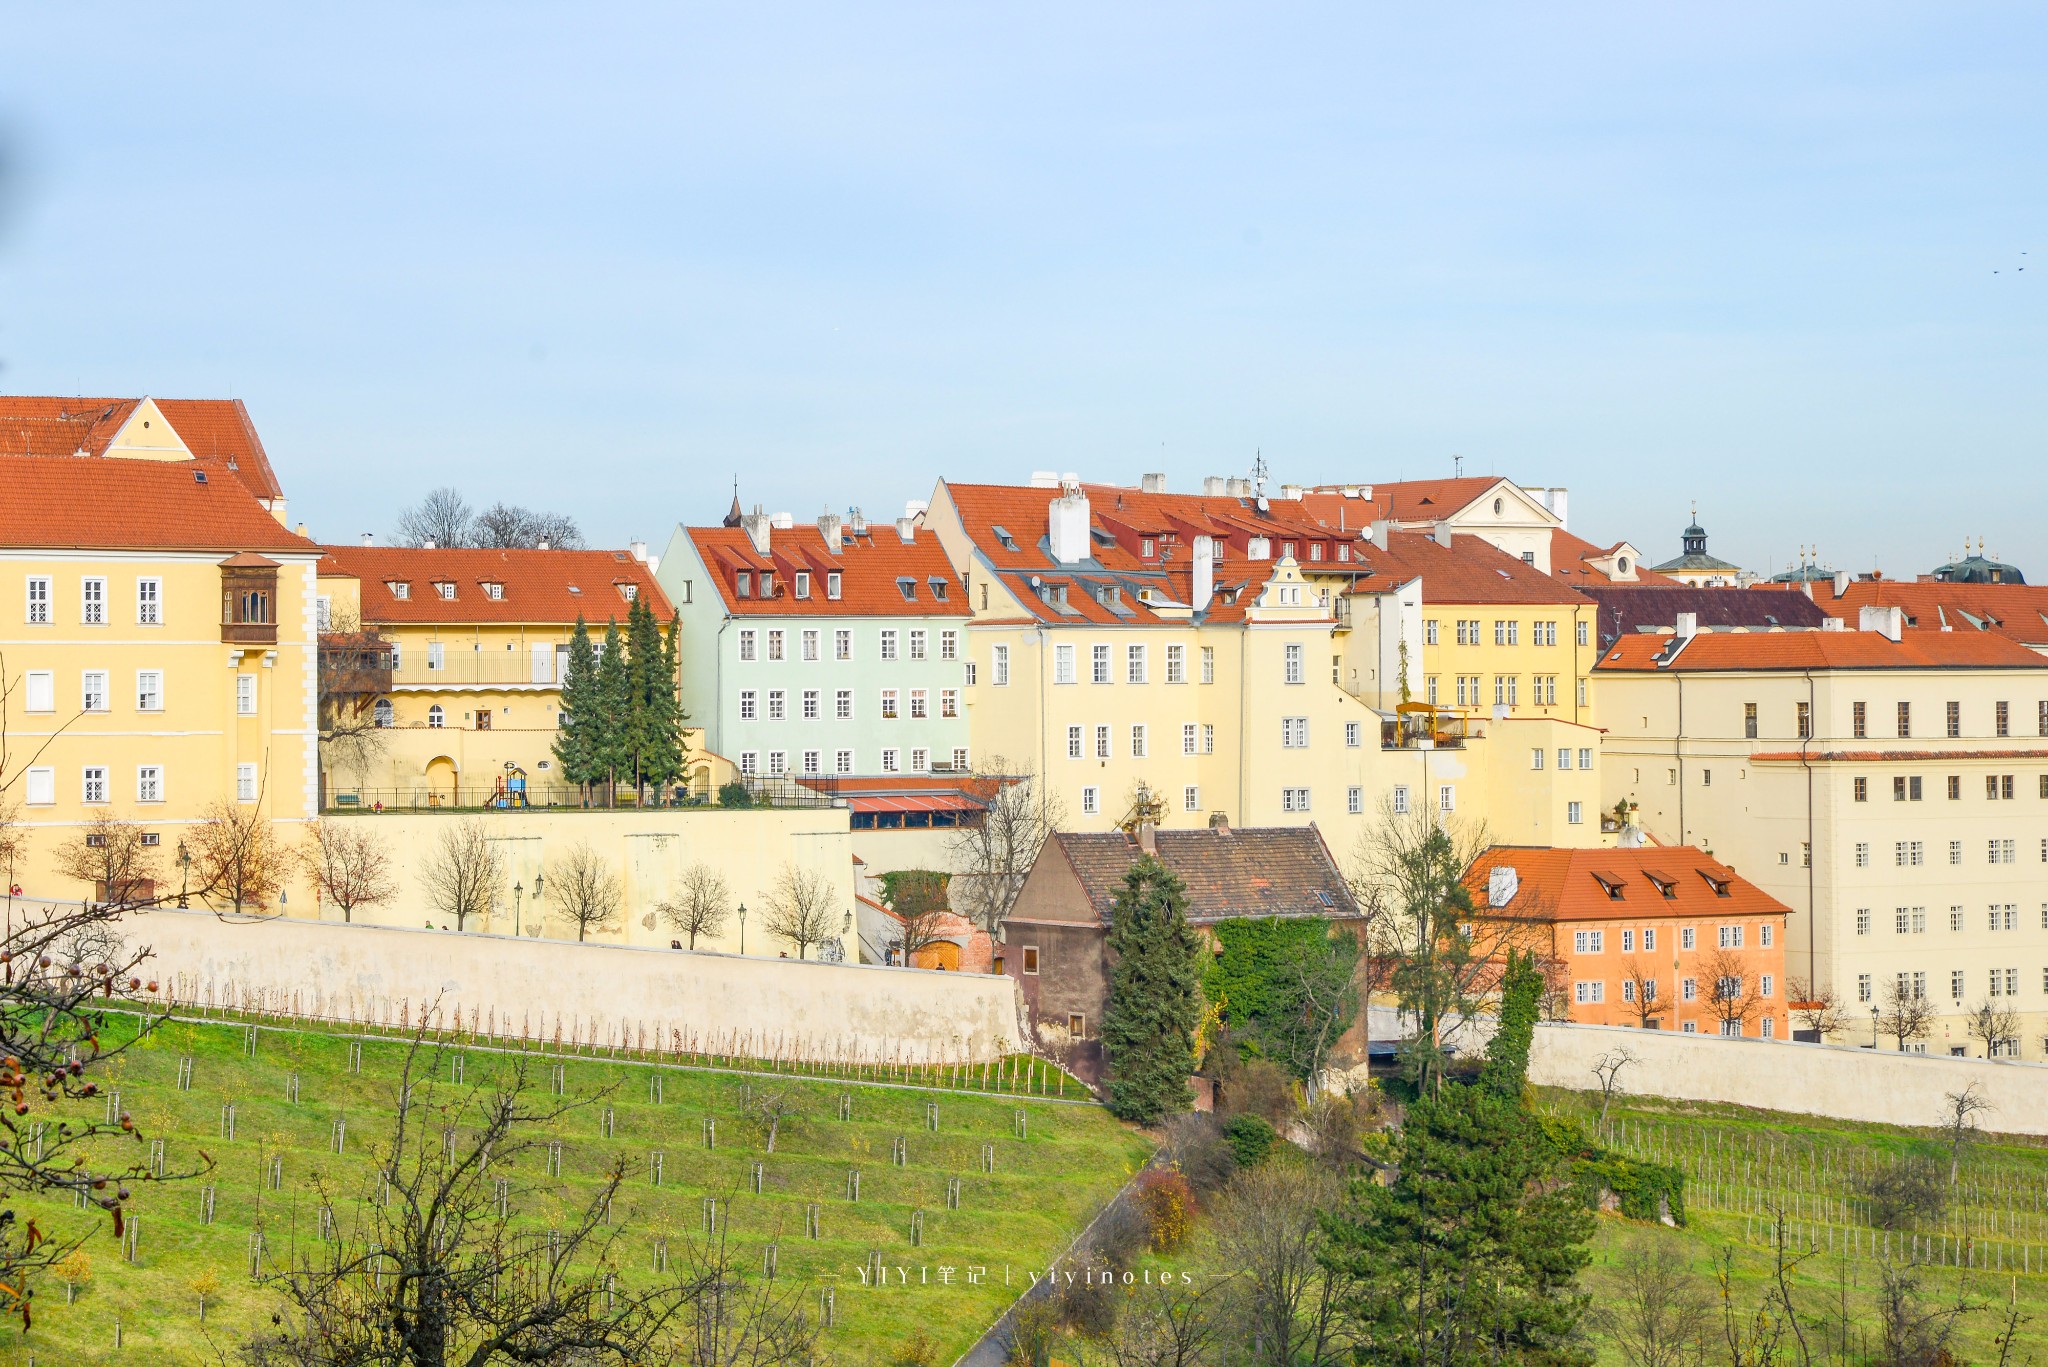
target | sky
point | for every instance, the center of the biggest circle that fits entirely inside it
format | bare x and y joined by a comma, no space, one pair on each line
606,258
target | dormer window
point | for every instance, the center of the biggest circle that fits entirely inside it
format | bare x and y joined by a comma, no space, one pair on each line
767,583
908,588
1343,550
629,591
1315,550
1719,885
803,583
743,584
445,589
1003,535
400,589
1287,550
1663,885
833,582
1148,548
1614,890
938,588
494,592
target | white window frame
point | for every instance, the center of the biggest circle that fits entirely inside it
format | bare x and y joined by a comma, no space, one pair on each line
37,607
245,695
149,602
149,783
92,691
39,690
92,600
149,690
94,789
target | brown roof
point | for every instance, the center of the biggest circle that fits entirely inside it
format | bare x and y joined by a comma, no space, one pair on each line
872,566
1653,882
1740,651
216,431
1629,608
62,502
1261,871
554,587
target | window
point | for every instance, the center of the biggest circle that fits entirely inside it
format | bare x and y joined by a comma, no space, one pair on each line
1209,677
810,704
1905,719
1583,633
245,783
149,690
1574,813
1689,990
42,787
1294,733
402,591
1628,942
1188,740
1447,798
888,704
1731,937
1764,933
1859,719
1582,692
918,706
1400,800
149,783
888,643
810,644
1138,740
1102,742
960,759
920,760
1208,738
39,603
93,600
1354,735
1294,668
749,762
775,704
1748,720
1863,920
1862,987
1861,788
149,594
747,639
1031,960
1429,632
1862,854
1805,721
917,643
1628,990
1907,853
1091,801
1294,799
890,762
93,690
1191,798
949,702
1688,937
435,716
999,665
812,762
1354,800
1589,942
95,783
1099,664
842,761
1063,664
436,656
1176,664
803,583
748,709
949,645
483,719
1955,719
1134,664
776,637
1589,993
2004,851
1075,742
1536,758
384,714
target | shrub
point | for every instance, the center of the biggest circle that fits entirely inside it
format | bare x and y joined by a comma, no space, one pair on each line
1263,1088
1250,1138
1087,1305
1120,1235
1195,1144
1906,1193
916,1351
1167,1202
734,795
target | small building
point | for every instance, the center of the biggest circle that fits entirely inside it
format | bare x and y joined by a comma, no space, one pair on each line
1978,568
1661,937
1056,936
1694,566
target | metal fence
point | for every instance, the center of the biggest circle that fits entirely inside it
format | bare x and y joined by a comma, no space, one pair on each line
423,796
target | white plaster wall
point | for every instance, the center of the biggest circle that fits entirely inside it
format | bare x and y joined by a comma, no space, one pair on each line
1845,1083
704,1002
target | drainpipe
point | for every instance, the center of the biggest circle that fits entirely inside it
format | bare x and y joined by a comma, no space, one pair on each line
1678,753
1812,721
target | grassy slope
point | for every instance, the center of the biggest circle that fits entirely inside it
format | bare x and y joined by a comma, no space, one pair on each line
1044,1187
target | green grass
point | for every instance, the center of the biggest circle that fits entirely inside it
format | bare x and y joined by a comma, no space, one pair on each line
1044,1187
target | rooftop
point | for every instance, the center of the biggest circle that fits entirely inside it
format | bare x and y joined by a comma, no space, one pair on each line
1750,651
486,586
1650,882
1261,871
62,502
880,574
215,431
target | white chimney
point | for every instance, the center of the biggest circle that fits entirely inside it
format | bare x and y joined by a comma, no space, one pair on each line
906,530
1553,499
1889,622
543,544
1152,483
1441,531
369,538
914,507
1833,624
1841,582
1203,587
638,550
429,545
1237,487
1292,491
829,527
781,522
1214,486
1383,533
1045,479
755,525
1067,525
1688,625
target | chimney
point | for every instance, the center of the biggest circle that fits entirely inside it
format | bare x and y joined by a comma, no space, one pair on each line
828,527
300,530
369,538
1203,587
1383,533
1067,525
1292,491
430,545
638,550
1833,624
914,507
1154,483
1889,622
1237,488
1688,625
755,525
1148,838
1045,479
1441,531
782,522
543,544
1219,822
1841,582
906,530
1214,486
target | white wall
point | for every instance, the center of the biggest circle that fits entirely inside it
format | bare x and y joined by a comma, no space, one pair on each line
711,1003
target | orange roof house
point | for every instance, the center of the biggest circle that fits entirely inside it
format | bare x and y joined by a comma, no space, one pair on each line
414,586
216,433
1662,937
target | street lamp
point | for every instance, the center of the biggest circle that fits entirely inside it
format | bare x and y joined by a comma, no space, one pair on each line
1873,1027
743,927
518,891
184,877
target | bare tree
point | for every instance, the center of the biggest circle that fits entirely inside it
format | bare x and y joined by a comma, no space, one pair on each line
463,872
1817,1008
442,518
348,864
1993,1022
511,527
730,1319
991,857
801,908
1608,1068
1174,1327
237,855
355,675
13,838
1639,991
701,904
774,1107
921,909
586,891
1915,1333
1661,1314
439,1268
1287,1307
1959,1112
1731,992
108,854
1904,1014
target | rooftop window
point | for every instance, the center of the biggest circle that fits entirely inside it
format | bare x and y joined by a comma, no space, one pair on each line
743,584
1003,535
629,591
400,589
938,588
767,583
803,583
833,582
446,589
494,592
908,588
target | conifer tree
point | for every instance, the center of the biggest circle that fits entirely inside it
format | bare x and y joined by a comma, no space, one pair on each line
575,747
611,748
1521,1002
1155,996
641,722
665,707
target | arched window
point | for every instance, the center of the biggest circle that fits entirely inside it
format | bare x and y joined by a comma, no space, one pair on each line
434,715
383,712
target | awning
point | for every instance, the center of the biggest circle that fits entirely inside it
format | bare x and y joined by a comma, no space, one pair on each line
915,802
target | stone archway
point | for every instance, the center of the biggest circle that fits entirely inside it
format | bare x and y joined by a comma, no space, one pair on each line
438,783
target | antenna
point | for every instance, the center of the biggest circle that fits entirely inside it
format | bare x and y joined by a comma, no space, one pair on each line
1259,472
1457,465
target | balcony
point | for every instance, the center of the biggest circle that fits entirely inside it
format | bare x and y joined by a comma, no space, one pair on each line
354,665
1425,726
248,598
475,669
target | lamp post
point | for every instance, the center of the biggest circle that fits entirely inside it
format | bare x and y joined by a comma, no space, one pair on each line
518,891
1873,1027
743,927
184,877
538,882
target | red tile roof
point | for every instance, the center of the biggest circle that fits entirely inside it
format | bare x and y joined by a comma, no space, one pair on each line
1470,570
1738,651
62,502
217,432
2016,611
871,565
1579,885
1407,500
553,587
1887,756
1571,560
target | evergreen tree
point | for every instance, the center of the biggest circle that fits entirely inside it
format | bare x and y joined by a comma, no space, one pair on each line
1155,996
1469,1258
575,747
642,723
1521,1002
611,748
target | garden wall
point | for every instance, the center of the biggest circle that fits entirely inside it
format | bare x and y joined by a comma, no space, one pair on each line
1842,1082
600,993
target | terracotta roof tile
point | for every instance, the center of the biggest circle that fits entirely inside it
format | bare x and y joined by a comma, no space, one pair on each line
872,567
1258,871
64,502
1569,885
217,432
1571,560
1469,570
1773,650
537,586
2016,611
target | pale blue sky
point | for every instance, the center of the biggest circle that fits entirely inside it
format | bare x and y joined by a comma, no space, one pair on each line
600,258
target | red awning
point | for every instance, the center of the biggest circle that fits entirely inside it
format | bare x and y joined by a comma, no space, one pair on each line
915,802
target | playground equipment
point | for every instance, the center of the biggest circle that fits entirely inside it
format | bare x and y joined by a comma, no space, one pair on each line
510,791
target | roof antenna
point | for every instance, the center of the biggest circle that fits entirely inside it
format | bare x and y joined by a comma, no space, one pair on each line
1457,466
1259,472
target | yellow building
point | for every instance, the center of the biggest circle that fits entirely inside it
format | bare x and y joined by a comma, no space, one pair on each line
1891,787
160,653
454,659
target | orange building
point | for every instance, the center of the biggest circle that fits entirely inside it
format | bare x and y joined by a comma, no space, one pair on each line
1661,937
